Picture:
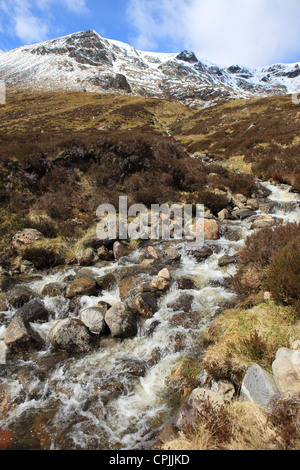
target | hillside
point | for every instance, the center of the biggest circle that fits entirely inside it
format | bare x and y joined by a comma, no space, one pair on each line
123,332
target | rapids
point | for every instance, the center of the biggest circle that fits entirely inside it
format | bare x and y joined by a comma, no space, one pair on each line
92,402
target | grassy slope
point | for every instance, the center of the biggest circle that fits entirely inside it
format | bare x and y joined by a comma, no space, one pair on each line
36,111
259,135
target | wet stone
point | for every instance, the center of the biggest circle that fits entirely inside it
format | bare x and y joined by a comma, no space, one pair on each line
34,312
81,287
121,321
186,320
144,304
226,259
185,283
71,335
20,295
201,253
135,367
183,303
107,282
94,320
53,289
19,337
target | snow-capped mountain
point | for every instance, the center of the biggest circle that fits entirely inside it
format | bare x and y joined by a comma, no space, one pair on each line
86,61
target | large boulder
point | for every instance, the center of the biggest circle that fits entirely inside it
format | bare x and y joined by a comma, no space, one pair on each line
87,257
171,255
107,281
71,335
208,230
121,320
152,253
286,371
80,287
259,386
211,230
20,337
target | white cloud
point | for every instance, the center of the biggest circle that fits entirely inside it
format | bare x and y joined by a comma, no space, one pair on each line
30,21
250,32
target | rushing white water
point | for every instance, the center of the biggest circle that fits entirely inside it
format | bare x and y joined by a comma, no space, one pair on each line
93,403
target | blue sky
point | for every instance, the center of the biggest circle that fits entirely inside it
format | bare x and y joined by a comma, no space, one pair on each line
249,32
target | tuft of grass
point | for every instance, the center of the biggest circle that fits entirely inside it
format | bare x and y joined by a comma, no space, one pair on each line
243,337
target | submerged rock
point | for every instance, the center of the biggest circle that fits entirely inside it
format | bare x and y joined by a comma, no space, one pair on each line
183,303
135,367
185,283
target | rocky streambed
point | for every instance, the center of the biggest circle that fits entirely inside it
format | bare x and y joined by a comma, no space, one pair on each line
86,353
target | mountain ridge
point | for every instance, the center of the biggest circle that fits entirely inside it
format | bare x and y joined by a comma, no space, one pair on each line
84,61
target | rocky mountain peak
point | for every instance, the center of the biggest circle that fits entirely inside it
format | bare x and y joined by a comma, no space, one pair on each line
86,61
187,56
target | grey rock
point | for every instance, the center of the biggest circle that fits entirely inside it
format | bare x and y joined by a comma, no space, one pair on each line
259,386
286,371
94,319
121,321
3,352
71,335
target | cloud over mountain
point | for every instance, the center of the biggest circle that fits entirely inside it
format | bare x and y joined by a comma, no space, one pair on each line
253,32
